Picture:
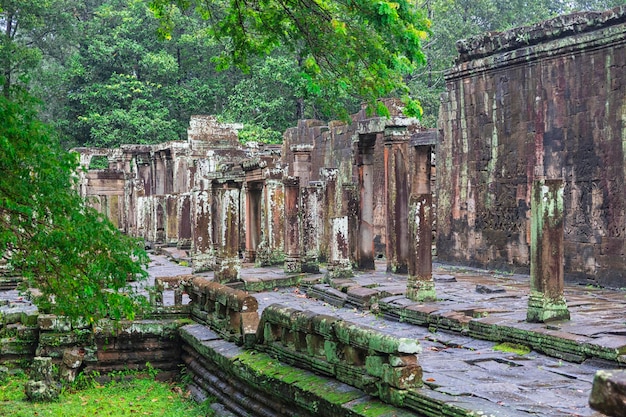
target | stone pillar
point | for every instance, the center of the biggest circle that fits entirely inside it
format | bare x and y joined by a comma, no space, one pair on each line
332,205
339,265
203,255
350,208
311,217
159,172
546,301
160,212
172,219
253,219
185,236
397,191
365,163
420,284
271,249
227,261
336,228
293,254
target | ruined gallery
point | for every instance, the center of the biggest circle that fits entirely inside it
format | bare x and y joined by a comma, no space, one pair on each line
541,102
524,175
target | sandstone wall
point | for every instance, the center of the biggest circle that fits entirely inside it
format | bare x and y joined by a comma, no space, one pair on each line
547,100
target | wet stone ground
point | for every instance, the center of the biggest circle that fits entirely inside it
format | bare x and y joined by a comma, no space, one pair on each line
463,368
459,368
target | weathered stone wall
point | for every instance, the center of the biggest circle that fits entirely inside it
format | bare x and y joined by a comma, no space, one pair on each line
343,165
547,100
105,346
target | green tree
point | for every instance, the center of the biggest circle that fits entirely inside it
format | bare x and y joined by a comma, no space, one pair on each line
363,48
124,85
79,262
30,30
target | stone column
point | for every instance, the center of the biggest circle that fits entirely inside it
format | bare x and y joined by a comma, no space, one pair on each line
332,205
293,253
160,220
397,190
339,265
185,235
271,250
546,301
172,211
159,172
350,208
227,262
336,229
365,162
311,215
203,255
420,284
253,219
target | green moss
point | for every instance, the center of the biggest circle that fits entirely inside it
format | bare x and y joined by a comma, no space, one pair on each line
266,367
374,408
512,348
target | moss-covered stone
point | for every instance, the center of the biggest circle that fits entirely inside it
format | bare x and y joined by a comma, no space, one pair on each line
374,365
512,348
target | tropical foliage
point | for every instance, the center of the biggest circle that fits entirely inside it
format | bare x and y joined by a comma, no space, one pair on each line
76,259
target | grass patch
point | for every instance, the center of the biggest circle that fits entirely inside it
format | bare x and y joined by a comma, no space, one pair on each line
127,397
512,348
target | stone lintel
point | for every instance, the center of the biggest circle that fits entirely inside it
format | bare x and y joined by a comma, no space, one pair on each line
424,138
291,182
301,148
252,164
273,174
396,134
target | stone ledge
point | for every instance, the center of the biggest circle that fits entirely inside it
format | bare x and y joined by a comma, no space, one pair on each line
562,26
555,343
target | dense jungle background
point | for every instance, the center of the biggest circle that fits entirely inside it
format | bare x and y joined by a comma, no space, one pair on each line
107,77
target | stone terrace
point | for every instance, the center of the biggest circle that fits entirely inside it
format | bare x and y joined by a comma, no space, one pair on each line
476,310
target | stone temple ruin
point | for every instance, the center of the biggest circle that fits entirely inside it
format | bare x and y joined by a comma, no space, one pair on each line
545,102
530,172
339,193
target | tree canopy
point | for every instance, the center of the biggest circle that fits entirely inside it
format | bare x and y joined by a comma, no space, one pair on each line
359,47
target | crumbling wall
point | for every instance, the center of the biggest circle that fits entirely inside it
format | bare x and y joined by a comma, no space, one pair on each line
547,100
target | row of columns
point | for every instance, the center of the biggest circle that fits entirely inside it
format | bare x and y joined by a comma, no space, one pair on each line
409,225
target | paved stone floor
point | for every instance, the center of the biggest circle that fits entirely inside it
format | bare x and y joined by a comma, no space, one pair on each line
475,309
459,366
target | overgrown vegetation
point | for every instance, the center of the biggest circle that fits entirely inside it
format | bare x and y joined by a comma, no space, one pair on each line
127,394
107,77
77,260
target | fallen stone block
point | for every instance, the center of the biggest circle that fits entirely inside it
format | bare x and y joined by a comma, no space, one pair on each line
608,394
